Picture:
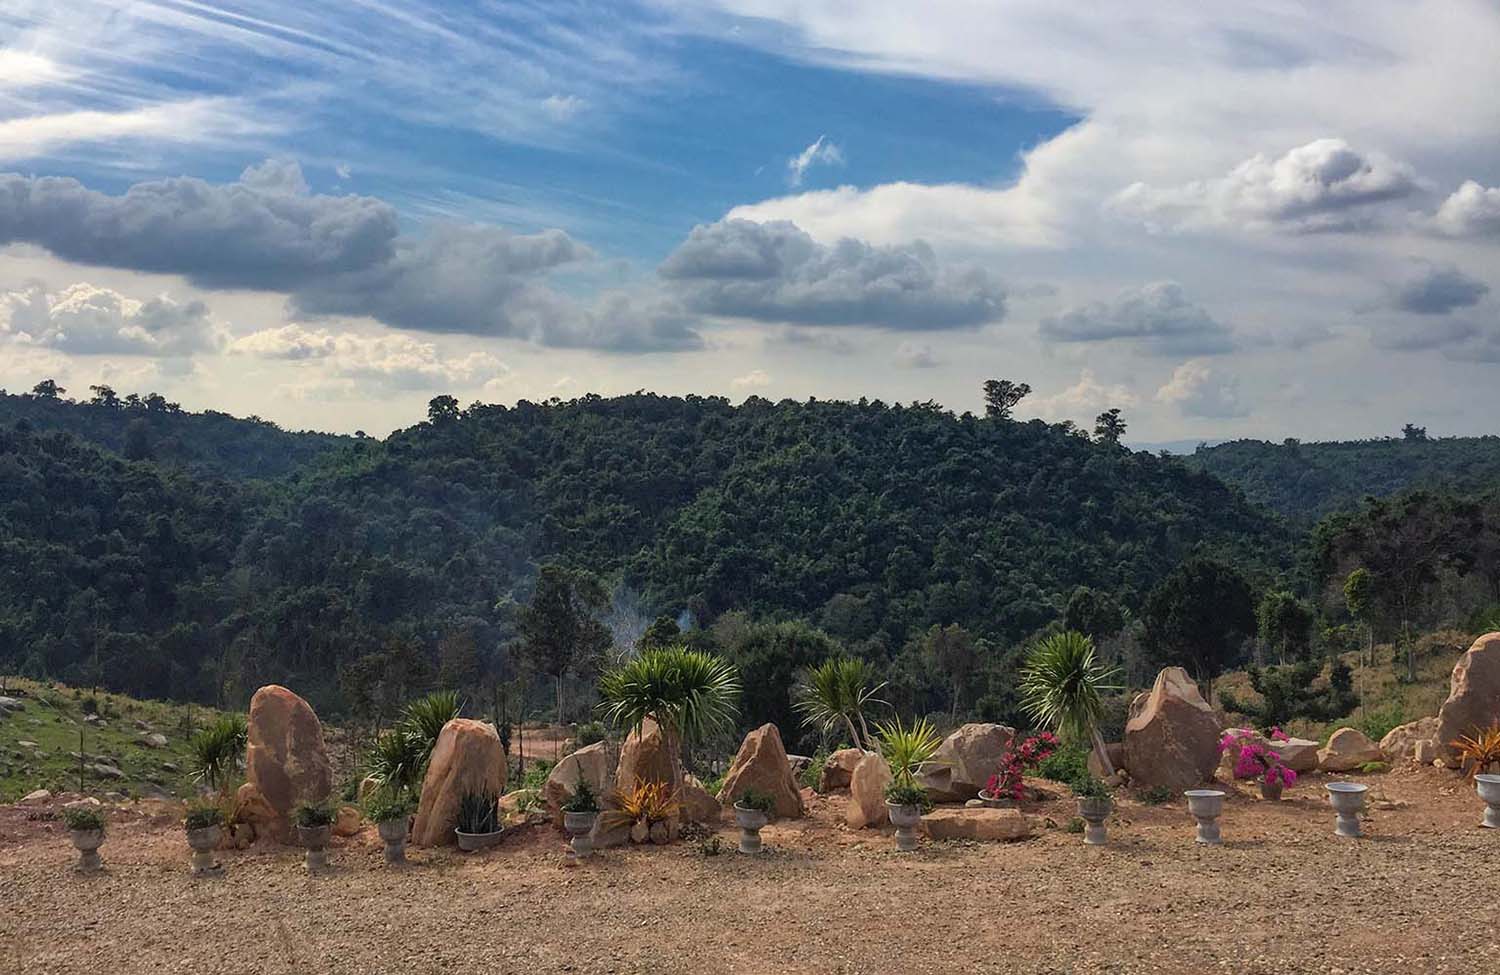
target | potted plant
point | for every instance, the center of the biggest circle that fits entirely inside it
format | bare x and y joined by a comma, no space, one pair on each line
1094,806
314,822
1253,759
478,821
85,826
907,751
204,827
752,810
390,810
580,811
1008,784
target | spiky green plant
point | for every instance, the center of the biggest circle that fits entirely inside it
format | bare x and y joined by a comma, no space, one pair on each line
424,718
837,691
397,761
908,750
217,753
1063,686
691,694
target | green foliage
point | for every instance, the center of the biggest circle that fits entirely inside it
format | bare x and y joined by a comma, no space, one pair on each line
314,814
1068,763
1375,768
423,719
1155,796
1198,616
908,749
1089,787
478,812
558,631
689,692
218,751
837,692
201,815
588,733
1063,685
907,794
760,801
385,805
812,775
1285,623
583,799
82,818
398,759
536,774
1376,722
1075,825
1296,691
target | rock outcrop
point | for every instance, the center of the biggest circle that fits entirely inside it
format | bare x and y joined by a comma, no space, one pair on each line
1173,740
1347,751
1400,743
976,824
286,759
838,769
1473,696
467,758
761,764
697,805
867,787
590,764
965,761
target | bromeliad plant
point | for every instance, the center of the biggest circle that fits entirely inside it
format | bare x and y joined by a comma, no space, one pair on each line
1016,761
908,750
1478,750
1253,759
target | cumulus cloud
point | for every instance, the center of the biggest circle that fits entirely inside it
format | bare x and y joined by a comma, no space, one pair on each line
1197,390
1438,290
1085,398
754,379
1471,210
85,320
1158,318
396,361
1325,185
916,355
775,272
821,152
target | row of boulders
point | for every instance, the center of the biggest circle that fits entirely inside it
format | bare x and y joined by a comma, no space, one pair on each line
1473,704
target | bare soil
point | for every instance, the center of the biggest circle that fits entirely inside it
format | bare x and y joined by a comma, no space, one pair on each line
1282,895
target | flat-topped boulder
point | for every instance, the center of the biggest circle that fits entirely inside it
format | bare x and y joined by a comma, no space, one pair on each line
1173,740
965,761
466,759
761,764
1473,697
1348,750
286,758
697,804
976,823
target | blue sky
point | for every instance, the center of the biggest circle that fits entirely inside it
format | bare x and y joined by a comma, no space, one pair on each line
1264,220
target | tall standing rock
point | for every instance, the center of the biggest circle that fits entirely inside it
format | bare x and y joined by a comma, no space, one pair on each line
590,765
1473,696
1173,739
867,792
286,760
649,755
761,764
466,759
965,761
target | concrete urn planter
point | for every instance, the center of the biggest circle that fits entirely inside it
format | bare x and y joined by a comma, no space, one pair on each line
87,843
393,833
580,828
1488,787
1348,799
750,822
314,840
474,842
203,842
1094,812
905,819
1206,805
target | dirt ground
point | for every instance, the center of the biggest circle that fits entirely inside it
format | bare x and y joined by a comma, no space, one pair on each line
1282,895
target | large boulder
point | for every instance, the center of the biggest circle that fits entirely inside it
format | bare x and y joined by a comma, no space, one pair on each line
1298,754
761,764
649,755
1173,740
286,759
696,804
1348,750
1400,743
590,764
965,761
1473,696
466,759
976,824
867,787
838,769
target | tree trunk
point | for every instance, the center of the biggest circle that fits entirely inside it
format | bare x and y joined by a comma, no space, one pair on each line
1101,751
853,734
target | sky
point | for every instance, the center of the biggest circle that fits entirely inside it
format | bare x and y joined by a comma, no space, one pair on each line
1265,219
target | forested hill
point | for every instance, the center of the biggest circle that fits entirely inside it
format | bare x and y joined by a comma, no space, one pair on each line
871,521
1305,481
153,428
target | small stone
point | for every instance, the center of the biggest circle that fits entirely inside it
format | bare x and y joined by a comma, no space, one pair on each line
640,831
348,821
154,740
39,795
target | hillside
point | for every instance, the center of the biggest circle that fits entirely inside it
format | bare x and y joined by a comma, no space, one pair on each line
1305,481
873,521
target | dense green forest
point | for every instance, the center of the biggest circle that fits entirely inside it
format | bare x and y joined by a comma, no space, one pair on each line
1305,481
228,553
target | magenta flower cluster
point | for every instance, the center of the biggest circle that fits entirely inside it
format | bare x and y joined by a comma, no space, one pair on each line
1016,761
1253,759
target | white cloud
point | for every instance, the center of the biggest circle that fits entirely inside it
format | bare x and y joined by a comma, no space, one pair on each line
563,107
821,152
754,379
23,69
1471,210
395,360
1083,400
1156,317
87,320
1197,390
199,120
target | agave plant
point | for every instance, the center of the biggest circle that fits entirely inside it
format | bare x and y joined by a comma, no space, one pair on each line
217,753
1063,686
908,750
837,691
398,759
424,718
691,694
1478,750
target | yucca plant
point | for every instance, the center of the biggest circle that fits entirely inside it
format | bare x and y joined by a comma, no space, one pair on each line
837,691
908,750
1063,686
424,719
1478,750
397,761
217,753
691,694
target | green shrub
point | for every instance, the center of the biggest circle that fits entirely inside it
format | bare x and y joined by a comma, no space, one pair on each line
582,800
753,799
588,733
907,794
216,754
82,818
813,774
1377,722
1075,825
536,774
314,814
201,815
1157,795
1375,768
384,805
1065,765
1089,787
714,784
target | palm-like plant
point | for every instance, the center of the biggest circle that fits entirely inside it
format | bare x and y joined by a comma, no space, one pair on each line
1063,686
424,719
908,750
218,751
837,691
691,694
397,761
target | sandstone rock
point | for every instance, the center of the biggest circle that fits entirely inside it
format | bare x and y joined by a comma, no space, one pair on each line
1347,750
660,832
9,704
965,761
1473,696
588,764
1400,743
467,758
867,792
611,829
39,795
838,769
251,807
697,805
640,831
1173,740
1116,752
976,824
367,785
648,756
761,764
347,823
1425,752
285,756
1298,754
799,763
154,740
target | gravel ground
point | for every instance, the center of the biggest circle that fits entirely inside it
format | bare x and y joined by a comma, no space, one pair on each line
1283,895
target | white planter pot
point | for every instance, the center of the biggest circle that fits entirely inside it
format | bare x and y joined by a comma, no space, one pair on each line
474,842
204,842
905,819
87,843
750,821
1206,805
1348,799
1488,787
580,828
393,833
315,839
1094,813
